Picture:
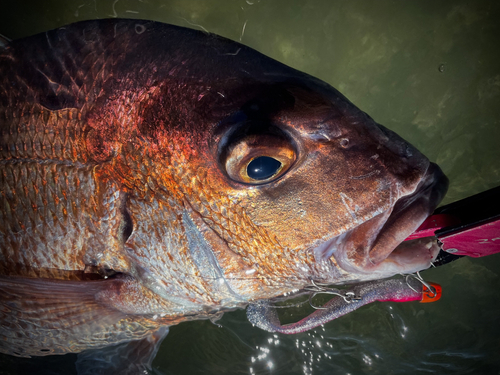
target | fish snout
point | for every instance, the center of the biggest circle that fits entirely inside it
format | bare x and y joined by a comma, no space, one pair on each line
400,159
437,184
377,246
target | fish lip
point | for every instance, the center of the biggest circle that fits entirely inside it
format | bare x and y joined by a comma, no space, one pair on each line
428,194
389,229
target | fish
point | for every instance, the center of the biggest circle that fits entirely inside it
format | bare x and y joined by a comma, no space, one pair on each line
153,174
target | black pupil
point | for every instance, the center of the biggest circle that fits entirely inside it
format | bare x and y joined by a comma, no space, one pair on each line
262,168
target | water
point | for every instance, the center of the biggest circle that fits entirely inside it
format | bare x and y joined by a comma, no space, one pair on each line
425,69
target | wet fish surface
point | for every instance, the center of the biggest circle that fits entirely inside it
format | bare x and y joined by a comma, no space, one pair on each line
152,174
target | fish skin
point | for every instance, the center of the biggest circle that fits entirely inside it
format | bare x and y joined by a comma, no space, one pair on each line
112,134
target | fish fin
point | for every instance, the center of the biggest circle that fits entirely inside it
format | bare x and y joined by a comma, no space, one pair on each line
133,357
4,41
45,317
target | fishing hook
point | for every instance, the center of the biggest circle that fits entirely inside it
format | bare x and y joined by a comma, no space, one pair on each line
419,278
318,288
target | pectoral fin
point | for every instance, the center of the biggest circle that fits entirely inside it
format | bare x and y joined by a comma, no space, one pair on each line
46,317
130,358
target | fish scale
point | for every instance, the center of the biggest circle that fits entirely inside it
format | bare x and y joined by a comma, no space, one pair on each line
46,215
51,156
57,139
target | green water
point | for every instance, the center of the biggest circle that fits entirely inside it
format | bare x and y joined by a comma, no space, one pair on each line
428,70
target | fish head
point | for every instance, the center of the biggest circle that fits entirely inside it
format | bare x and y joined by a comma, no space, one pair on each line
336,190
301,185
282,177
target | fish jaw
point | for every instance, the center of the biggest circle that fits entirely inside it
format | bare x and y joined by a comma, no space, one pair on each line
376,248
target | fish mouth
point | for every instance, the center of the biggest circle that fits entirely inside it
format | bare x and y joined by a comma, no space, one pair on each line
377,247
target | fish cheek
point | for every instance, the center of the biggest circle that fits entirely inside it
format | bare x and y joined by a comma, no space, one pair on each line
320,200
296,212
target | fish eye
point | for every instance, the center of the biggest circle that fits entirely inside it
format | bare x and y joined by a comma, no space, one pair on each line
259,159
263,167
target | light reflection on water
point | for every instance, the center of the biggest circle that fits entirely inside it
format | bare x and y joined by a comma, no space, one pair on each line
391,338
319,352
427,70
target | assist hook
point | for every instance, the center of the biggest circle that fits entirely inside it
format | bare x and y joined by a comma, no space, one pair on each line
318,288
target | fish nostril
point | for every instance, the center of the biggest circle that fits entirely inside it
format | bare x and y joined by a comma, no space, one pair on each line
344,142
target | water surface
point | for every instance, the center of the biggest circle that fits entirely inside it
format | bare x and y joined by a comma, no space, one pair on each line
425,69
